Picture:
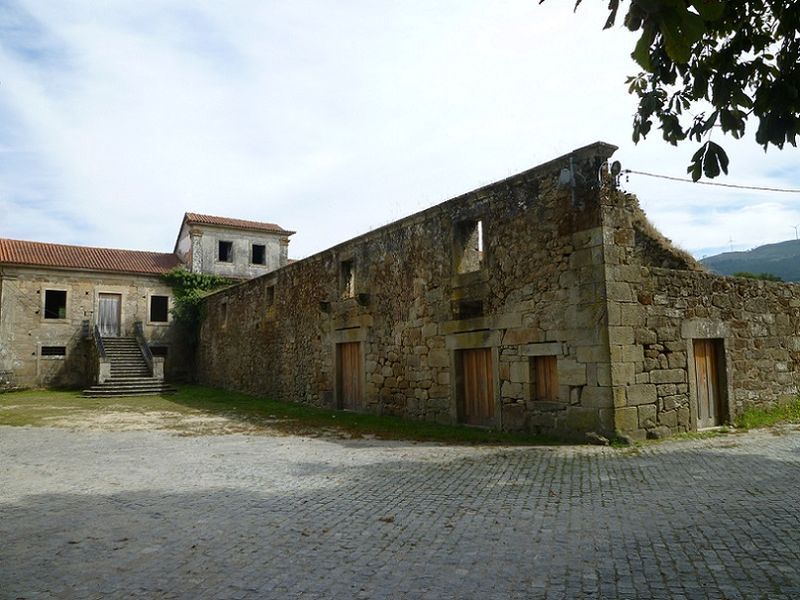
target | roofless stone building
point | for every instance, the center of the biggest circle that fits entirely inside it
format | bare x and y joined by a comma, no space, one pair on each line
545,302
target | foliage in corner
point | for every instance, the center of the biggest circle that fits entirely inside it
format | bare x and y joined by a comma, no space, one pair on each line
190,289
714,63
762,276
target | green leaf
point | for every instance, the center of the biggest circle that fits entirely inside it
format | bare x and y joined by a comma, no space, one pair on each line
722,157
641,54
709,10
613,7
709,160
676,45
695,169
681,29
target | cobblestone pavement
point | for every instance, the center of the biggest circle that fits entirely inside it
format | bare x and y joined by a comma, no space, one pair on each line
88,514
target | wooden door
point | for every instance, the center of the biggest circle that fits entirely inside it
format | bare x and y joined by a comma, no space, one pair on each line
108,314
707,367
476,406
350,374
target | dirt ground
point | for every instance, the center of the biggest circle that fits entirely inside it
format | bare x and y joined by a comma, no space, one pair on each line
69,410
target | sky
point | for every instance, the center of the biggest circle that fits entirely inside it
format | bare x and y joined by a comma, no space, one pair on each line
329,119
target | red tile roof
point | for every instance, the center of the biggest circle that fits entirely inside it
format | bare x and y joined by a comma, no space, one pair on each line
195,218
60,256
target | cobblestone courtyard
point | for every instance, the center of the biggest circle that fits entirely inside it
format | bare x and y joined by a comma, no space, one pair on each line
92,514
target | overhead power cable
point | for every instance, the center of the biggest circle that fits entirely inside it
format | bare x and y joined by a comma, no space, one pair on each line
728,185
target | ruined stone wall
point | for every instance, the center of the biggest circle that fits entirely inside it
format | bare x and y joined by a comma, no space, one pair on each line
656,313
24,330
538,290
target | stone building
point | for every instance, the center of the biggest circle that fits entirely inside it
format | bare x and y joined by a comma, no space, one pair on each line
545,302
59,303
231,247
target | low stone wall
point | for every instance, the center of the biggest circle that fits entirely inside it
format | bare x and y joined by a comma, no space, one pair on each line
416,294
759,322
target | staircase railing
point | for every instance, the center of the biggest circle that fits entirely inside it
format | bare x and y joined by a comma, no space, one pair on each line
155,363
103,362
138,330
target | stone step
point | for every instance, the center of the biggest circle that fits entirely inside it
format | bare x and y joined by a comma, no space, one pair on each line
129,385
132,372
96,392
131,380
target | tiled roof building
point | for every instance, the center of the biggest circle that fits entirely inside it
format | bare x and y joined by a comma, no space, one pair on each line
60,256
57,300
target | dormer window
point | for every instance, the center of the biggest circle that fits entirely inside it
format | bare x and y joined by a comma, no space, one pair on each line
225,251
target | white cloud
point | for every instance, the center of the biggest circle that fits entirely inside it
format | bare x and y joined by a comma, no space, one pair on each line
328,118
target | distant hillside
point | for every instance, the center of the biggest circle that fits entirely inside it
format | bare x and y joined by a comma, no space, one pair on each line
781,259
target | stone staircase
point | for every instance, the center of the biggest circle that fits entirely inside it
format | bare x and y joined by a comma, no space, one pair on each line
130,373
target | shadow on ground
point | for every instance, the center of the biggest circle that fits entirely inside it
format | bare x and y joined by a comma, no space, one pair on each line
694,523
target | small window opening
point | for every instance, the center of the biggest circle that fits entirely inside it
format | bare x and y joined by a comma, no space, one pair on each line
224,313
54,351
468,309
270,295
544,378
259,256
225,251
348,283
159,351
159,309
55,304
469,246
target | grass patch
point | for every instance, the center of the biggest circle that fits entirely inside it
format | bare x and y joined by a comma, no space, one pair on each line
45,407
753,418
308,420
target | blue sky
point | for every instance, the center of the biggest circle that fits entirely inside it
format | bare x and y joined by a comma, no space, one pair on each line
327,118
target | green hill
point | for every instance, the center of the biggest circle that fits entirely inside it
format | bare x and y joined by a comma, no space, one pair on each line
781,259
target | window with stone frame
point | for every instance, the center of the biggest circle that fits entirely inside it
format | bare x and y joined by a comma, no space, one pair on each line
160,351
225,251
55,304
159,309
53,351
258,255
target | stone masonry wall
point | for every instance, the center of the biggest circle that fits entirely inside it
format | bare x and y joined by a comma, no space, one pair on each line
655,313
539,290
24,330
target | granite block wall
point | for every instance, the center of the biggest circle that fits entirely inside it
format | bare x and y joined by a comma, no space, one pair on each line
553,271
416,293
